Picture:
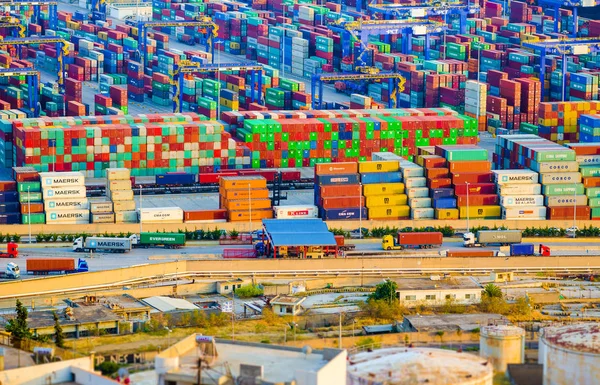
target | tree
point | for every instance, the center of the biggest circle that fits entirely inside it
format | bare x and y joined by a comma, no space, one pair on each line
492,291
382,310
59,337
385,291
249,291
17,326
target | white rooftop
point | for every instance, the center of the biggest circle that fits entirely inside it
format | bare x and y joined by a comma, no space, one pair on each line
167,304
581,337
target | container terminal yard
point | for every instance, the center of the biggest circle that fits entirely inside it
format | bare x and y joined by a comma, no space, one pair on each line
369,192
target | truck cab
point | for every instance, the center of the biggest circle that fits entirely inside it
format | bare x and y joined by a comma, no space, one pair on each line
388,242
469,239
82,266
12,251
12,271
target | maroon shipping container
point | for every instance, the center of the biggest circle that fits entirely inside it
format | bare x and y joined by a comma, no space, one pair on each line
469,253
472,177
475,188
239,253
477,199
9,185
418,239
205,215
566,213
44,265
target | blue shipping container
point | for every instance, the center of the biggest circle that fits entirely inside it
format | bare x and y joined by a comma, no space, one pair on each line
442,193
444,203
341,214
521,249
9,196
381,177
175,179
10,207
10,219
337,179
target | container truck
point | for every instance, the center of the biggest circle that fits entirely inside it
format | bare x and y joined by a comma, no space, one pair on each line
12,251
44,266
412,241
488,237
12,271
110,245
461,253
168,240
521,249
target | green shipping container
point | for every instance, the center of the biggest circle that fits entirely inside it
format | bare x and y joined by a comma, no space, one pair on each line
30,197
31,186
561,189
167,239
36,219
589,170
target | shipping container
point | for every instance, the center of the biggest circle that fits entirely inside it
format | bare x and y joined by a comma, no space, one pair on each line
66,204
169,240
512,177
343,214
483,212
469,166
123,206
422,213
47,265
420,238
161,215
477,200
475,188
297,211
458,253
245,215
119,195
101,207
337,179
521,249
447,214
383,189
386,200
68,216
381,177
563,189
415,182
569,213
118,174
205,215
419,203
566,200
560,178
245,194
175,178
338,168
520,189
67,192
384,213
61,179
521,200
243,182
103,218
123,184
378,166
526,213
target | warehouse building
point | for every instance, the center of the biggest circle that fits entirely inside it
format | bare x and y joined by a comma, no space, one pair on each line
284,305
448,322
461,291
302,238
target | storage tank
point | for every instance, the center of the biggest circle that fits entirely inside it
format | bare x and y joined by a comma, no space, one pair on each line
502,345
408,366
570,354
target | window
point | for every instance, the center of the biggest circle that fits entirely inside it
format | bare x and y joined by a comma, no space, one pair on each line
288,309
430,297
226,287
410,298
281,309
469,296
450,296
239,286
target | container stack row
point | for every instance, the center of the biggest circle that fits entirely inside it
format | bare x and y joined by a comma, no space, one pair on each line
384,193
246,198
65,199
587,156
439,186
338,193
120,194
520,194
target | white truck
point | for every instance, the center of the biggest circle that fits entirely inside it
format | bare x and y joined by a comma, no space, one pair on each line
12,271
491,237
102,244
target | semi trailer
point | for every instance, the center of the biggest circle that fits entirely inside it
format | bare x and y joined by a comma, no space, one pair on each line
44,266
491,237
412,241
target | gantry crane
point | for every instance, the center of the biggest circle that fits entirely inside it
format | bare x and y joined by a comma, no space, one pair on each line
37,14
203,22
33,86
62,50
555,5
98,8
195,67
561,47
395,84
13,22
426,10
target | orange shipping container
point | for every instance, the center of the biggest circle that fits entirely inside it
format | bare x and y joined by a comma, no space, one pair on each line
477,200
339,168
244,215
435,173
261,193
340,190
242,182
431,161
591,182
244,204
32,207
341,202
204,215
470,166
439,183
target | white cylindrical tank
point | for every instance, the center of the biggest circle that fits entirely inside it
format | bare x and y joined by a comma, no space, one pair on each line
502,345
570,354
408,366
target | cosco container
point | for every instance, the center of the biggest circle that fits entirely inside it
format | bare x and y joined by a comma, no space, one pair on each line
161,215
413,182
101,207
560,178
419,203
588,159
120,195
291,212
337,179
381,177
417,192
510,177
386,200
422,213
522,200
520,189
533,213
548,167
70,192
66,204
343,214
566,200
59,179
564,189
68,216
118,174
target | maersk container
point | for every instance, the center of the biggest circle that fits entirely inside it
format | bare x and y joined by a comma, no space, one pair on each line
121,245
343,214
61,179
103,218
566,200
68,216
417,192
532,213
510,177
161,215
381,177
66,204
520,189
337,179
69,192
414,182
564,189
295,212
444,203
521,249
101,207
521,200
166,239
417,203
422,213
442,193
560,178
546,167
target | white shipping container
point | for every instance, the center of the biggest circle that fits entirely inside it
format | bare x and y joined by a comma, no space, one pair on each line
508,177
588,159
417,203
68,216
566,200
557,167
293,212
101,207
119,206
103,218
412,172
126,217
120,195
422,213
415,182
69,192
57,179
66,204
161,215
521,200
123,184
417,192
117,173
560,178
532,213
520,189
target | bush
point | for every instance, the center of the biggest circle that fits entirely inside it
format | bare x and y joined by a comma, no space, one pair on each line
249,291
367,342
108,368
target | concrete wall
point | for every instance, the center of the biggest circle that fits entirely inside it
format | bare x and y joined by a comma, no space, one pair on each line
334,372
85,377
52,373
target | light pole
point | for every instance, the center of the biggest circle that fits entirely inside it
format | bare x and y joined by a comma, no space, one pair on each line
574,208
141,200
283,57
478,85
249,211
340,337
29,211
467,183
360,207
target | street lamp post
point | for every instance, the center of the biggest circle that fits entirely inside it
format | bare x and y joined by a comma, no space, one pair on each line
29,211
249,211
360,207
141,200
340,336
467,183
574,209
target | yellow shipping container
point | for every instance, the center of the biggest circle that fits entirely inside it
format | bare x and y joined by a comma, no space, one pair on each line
383,189
242,182
244,215
397,212
386,200
446,213
491,212
120,206
379,166
244,204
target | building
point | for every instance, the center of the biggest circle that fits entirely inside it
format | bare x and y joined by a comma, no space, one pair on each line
167,304
227,287
448,322
461,291
229,362
125,306
284,305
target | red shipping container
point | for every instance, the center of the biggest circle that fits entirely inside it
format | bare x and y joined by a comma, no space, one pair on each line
470,166
475,188
591,182
205,215
477,200
8,185
439,183
435,173
340,191
472,177
566,213
341,202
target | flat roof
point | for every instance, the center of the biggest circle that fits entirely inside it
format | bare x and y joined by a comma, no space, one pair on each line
167,304
465,322
443,284
298,232
81,315
286,300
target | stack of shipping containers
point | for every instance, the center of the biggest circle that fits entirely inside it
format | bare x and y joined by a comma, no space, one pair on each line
383,190
588,159
65,200
120,193
520,194
441,192
30,196
246,198
338,193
